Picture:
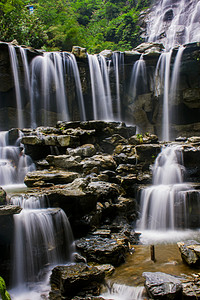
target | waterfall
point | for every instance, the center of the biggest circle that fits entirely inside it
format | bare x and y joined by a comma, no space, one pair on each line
118,64
105,75
160,203
42,239
101,107
14,164
138,82
124,292
174,84
48,89
15,70
174,22
73,65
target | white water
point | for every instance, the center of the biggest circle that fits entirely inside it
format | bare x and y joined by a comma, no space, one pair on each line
118,64
78,86
124,292
174,22
15,68
160,203
138,82
174,85
163,206
101,107
14,164
42,239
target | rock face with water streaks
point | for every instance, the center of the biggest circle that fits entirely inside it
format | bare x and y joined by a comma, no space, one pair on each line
143,108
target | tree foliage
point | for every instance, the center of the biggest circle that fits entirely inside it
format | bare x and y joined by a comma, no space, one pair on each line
60,24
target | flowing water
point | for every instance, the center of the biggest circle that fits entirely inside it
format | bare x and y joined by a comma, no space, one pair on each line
159,202
42,239
138,82
15,70
14,164
101,99
118,64
163,222
174,22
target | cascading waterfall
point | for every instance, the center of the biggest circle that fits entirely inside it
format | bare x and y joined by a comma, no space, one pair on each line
118,64
42,239
175,74
124,292
138,82
14,164
160,202
101,108
166,84
47,83
174,22
15,69
162,79
73,65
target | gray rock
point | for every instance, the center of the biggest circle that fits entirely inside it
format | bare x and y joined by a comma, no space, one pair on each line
46,176
9,210
68,141
102,250
190,252
162,286
86,150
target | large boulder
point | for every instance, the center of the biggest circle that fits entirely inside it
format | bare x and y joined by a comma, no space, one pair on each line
162,286
75,280
103,250
46,177
190,252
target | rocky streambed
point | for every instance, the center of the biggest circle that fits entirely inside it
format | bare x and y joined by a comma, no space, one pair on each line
94,171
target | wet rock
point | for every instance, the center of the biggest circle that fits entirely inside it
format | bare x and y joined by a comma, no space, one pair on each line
194,139
128,150
150,47
79,52
104,190
162,286
126,169
101,162
190,252
9,210
191,97
2,196
54,176
66,162
114,141
102,250
32,140
106,53
13,135
76,280
86,150
147,138
68,141
148,152
191,287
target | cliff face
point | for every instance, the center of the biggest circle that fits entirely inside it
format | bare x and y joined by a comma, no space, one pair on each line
139,88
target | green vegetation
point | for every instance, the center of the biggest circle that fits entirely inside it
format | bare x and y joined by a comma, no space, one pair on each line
3,292
59,24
